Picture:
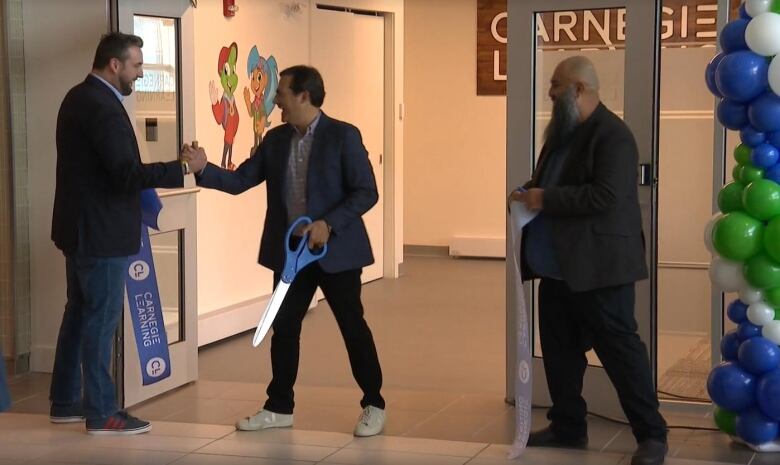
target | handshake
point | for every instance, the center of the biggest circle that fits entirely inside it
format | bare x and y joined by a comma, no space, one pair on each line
193,158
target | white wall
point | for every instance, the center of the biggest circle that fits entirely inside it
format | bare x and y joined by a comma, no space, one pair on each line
59,45
455,141
229,227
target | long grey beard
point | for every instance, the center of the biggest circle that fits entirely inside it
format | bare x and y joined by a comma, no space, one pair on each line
565,118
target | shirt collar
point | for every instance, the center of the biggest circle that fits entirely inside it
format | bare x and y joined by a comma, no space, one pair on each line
312,126
113,89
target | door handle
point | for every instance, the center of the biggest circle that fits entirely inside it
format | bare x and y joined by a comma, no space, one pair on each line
646,174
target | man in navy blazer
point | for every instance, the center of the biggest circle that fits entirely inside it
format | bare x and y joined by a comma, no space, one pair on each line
97,224
315,166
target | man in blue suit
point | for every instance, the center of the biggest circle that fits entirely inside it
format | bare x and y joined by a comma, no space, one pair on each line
315,166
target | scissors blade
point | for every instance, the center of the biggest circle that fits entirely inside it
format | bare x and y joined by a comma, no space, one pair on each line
267,319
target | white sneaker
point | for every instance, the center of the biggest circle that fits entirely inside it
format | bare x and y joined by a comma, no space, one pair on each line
264,419
371,422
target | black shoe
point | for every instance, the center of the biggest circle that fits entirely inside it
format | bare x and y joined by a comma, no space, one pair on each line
650,452
547,438
66,414
120,423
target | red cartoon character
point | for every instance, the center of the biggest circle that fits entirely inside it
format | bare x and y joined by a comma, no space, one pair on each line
224,109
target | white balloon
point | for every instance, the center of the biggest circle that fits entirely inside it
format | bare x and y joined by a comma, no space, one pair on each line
708,232
774,75
757,7
771,331
763,34
750,295
760,313
727,275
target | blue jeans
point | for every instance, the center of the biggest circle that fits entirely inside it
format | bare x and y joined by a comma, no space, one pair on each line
5,396
84,346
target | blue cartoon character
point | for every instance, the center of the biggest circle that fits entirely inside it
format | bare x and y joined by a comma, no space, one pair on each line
224,109
263,83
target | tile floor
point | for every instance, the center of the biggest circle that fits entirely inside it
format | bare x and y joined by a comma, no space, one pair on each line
445,408
31,439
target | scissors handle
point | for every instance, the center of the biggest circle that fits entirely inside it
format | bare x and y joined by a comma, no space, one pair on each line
297,259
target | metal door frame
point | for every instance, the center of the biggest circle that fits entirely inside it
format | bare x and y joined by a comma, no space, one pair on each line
641,104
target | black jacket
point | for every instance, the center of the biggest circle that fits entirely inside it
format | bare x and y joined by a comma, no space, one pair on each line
340,188
97,202
594,210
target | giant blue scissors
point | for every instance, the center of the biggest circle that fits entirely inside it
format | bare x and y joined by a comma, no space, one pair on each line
295,260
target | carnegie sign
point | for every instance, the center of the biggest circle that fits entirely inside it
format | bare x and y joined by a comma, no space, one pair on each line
683,23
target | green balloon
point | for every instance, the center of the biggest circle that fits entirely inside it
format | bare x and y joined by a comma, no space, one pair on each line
725,421
742,154
772,240
761,199
736,173
772,297
750,173
730,197
738,236
762,272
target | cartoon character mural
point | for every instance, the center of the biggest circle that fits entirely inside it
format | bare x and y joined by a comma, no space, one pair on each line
224,109
263,81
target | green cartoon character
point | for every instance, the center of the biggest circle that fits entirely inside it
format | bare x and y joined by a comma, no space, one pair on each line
224,109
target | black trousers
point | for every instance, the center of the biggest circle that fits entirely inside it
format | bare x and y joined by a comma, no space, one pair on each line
570,323
342,291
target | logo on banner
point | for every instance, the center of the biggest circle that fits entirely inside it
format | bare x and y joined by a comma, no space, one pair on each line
156,367
139,270
524,371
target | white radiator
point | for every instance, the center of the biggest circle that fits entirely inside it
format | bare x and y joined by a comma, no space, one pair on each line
471,246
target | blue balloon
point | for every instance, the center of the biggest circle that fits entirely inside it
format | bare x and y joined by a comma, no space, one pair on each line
752,138
743,12
768,395
774,139
733,115
709,74
737,311
731,387
732,38
773,174
756,428
765,156
764,112
742,76
747,330
759,355
729,346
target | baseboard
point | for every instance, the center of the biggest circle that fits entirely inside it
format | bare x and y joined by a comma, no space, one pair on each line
473,246
229,321
426,250
235,319
42,358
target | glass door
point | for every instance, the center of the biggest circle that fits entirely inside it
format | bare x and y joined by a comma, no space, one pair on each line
163,119
621,38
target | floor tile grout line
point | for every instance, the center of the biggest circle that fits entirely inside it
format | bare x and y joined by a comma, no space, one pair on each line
495,420
433,415
603,449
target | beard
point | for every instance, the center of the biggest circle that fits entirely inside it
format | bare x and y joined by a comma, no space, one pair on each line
565,118
125,87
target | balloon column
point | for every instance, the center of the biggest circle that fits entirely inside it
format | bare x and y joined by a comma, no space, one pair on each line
745,236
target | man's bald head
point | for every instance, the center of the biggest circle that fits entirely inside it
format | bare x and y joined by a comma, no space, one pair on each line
578,70
575,87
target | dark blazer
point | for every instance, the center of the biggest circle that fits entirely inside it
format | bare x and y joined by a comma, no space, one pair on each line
594,210
340,188
97,201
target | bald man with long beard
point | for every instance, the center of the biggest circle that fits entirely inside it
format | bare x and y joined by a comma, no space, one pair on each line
587,248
